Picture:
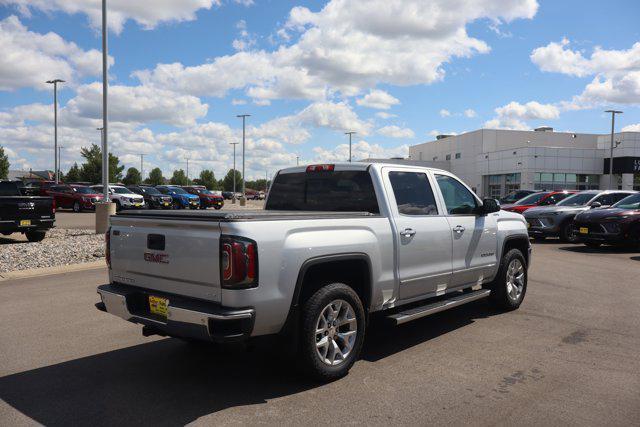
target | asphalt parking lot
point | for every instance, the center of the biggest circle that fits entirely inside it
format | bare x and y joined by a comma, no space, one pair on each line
568,356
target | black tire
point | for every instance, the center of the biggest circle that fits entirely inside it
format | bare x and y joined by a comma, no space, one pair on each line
592,244
311,311
118,206
568,232
217,208
500,297
35,236
177,205
76,207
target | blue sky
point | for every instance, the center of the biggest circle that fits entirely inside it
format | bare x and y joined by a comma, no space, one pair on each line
397,72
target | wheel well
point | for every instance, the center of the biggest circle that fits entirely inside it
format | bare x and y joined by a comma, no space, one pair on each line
520,243
354,272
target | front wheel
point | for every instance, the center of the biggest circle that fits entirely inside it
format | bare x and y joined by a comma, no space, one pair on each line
568,232
35,236
118,206
332,332
510,285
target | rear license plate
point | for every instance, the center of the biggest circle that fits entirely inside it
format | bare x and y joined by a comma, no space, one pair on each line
166,203
158,305
584,230
25,222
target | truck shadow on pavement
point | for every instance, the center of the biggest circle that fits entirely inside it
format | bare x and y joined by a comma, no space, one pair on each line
169,382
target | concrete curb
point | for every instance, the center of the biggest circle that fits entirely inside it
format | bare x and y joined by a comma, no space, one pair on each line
47,271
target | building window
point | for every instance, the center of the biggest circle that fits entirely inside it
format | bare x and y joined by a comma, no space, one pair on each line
448,157
565,181
457,155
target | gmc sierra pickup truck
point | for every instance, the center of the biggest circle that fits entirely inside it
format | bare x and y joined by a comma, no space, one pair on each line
335,244
29,215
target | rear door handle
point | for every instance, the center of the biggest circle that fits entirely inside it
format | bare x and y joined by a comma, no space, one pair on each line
458,229
408,232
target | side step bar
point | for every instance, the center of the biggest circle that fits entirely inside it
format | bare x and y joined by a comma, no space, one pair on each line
437,307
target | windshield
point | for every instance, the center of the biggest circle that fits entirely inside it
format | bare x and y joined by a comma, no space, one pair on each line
532,199
341,191
84,190
150,190
178,190
121,190
579,199
630,202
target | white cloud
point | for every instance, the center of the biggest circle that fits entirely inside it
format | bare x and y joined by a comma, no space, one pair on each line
470,113
378,99
360,150
235,101
246,3
444,113
632,128
512,115
29,58
348,47
138,104
616,72
384,115
120,11
393,131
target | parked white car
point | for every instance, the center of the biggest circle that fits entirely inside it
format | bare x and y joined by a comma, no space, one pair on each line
123,197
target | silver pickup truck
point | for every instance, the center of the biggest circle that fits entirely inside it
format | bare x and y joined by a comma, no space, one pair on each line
335,244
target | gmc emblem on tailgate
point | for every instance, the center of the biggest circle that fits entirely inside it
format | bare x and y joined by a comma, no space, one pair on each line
157,258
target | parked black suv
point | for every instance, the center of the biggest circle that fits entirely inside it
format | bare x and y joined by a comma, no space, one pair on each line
153,198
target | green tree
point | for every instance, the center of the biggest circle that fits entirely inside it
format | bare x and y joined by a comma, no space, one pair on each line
74,174
91,169
4,164
208,179
155,177
227,182
132,177
179,178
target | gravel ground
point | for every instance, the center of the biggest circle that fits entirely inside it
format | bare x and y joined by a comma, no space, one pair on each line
60,247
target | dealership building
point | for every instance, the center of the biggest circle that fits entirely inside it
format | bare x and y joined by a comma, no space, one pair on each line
495,162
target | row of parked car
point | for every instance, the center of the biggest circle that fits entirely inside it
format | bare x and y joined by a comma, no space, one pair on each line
80,197
592,217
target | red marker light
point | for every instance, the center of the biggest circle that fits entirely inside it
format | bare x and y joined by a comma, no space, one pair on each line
320,168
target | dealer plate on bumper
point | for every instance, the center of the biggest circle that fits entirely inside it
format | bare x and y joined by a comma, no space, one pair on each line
584,230
25,222
158,305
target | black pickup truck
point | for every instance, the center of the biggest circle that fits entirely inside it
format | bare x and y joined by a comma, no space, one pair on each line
30,215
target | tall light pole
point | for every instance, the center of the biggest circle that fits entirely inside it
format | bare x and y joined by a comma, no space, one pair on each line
613,124
297,160
187,171
60,147
243,200
233,198
55,125
104,209
141,168
349,133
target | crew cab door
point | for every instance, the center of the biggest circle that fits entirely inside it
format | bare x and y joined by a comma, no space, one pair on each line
474,236
423,236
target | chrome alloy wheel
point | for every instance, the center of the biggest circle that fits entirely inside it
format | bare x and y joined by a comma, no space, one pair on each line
336,331
515,279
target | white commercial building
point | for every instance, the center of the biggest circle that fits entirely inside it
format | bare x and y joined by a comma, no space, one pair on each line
496,162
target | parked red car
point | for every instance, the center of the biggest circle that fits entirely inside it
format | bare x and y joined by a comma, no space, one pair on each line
207,198
76,197
541,198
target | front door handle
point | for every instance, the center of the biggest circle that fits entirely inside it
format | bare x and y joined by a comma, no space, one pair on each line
407,232
458,229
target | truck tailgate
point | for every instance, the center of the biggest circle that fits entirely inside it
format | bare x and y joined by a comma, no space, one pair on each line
172,256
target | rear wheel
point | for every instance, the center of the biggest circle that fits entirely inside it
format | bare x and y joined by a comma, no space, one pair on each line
35,236
568,232
332,332
118,206
76,207
510,285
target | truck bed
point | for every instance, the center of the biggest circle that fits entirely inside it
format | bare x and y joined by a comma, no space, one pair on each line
236,216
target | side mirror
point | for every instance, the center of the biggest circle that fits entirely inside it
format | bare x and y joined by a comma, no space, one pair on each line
595,205
489,206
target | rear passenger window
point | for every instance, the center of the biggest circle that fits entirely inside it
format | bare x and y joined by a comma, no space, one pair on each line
457,198
610,198
413,193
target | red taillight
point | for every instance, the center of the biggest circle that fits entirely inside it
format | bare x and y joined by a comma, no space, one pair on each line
107,248
320,168
238,263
